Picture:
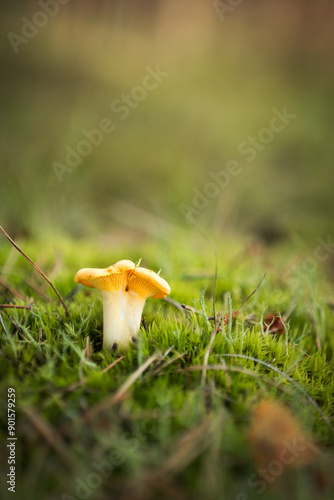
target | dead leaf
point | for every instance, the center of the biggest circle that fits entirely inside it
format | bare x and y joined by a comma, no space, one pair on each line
274,323
275,435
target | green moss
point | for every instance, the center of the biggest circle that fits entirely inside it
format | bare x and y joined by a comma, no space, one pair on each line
44,358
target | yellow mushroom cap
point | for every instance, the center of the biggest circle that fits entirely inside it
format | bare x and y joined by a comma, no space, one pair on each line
112,278
125,276
147,283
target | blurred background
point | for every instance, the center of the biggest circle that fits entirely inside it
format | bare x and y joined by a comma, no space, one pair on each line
225,68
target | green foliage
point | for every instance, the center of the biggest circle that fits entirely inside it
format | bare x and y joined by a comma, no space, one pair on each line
45,357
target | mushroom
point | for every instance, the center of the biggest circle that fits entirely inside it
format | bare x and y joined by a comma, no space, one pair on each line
124,289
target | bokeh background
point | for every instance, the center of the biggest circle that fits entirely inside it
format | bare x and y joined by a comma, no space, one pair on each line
229,64
228,68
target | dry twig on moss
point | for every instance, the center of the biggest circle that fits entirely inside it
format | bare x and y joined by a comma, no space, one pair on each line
38,269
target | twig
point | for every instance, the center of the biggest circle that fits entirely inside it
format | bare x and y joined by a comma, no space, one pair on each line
39,270
214,248
82,382
17,326
3,325
176,304
119,395
159,369
290,379
314,322
69,297
114,363
40,292
187,448
251,295
183,307
208,349
116,398
53,438
182,452
215,284
13,306
88,349
290,310
11,289
236,369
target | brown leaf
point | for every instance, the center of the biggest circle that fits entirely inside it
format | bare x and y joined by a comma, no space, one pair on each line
226,316
274,323
276,436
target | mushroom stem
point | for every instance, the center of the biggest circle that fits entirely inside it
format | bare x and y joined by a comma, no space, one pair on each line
122,311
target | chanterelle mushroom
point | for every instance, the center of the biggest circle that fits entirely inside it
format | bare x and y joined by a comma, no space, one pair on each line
124,289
